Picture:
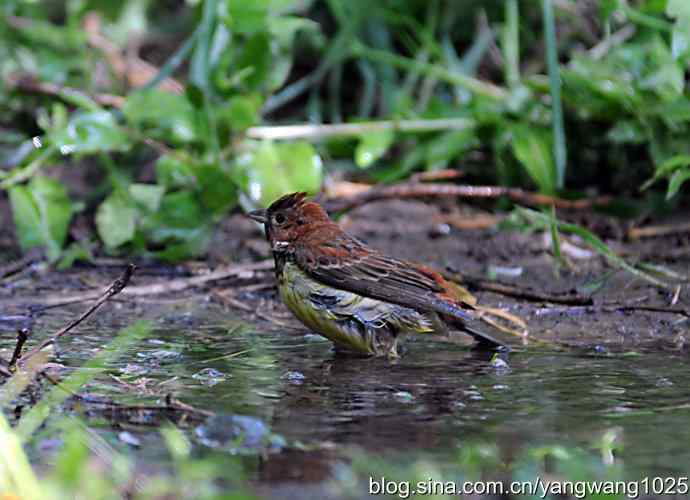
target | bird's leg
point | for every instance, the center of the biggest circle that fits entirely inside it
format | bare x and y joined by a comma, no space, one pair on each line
393,349
383,340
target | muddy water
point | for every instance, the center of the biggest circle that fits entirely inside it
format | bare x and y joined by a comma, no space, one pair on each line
437,400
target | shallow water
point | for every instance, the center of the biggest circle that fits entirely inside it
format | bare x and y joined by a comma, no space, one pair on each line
436,400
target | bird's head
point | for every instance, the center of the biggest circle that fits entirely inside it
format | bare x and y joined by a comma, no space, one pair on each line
289,218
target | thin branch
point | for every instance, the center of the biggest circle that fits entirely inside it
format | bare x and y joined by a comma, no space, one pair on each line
169,286
117,286
519,292
180,284
661,230
418,190
16,266
658,309
22,337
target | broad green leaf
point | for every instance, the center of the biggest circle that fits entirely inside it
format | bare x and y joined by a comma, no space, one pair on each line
678,8
27,220
180,216
147,195
75,251
606,8
195,245
116,220
270,170
664,75
55,209
218,192
42,212
246,17
181,225
676,181
242,112
256,58
164,115
173,172
284,28
532,147
449,146
90,132
302,165
372,146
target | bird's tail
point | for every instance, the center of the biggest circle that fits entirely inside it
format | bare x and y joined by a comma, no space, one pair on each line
484,340
481,322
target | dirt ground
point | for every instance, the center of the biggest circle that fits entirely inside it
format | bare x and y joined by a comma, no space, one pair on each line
604,307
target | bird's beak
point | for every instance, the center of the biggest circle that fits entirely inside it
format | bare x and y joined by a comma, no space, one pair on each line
258,216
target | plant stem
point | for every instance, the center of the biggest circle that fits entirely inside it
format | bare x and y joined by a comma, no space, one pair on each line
511,43
473,84
309,131
559,147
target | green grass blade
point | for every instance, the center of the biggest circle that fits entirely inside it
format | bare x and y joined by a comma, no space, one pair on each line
174,62
559,146
511,43
17,478
38,414
555,237
593,241
475,85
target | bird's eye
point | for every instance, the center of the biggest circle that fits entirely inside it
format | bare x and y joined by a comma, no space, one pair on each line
280,219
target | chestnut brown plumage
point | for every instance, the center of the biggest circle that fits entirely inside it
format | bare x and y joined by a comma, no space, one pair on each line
358,297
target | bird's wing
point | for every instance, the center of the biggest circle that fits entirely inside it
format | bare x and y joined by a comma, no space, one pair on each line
346,263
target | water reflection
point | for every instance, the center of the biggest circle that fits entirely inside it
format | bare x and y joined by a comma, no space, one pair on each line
437,398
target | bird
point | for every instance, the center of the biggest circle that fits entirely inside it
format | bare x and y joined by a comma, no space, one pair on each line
361,299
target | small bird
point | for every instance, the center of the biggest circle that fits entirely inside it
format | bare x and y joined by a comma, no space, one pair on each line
352,294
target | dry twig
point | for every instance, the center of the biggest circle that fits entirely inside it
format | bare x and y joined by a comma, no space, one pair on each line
169,286
518,292
117,286
419,190
661,230
22,337
658,309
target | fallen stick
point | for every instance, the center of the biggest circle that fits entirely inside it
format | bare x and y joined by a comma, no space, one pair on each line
636,233
518,292
117,286
174,285
14,267
658,309
419,190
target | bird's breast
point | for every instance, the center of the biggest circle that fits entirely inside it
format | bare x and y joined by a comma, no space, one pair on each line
345,317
